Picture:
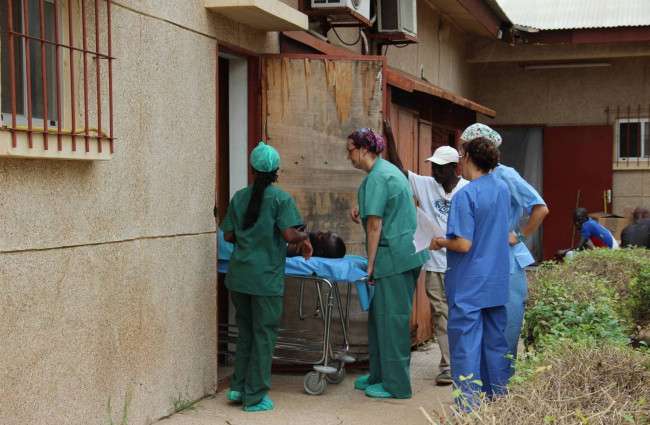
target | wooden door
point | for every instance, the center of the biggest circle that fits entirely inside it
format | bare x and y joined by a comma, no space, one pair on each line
577,170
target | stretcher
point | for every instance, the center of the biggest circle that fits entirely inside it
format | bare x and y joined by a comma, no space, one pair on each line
315,345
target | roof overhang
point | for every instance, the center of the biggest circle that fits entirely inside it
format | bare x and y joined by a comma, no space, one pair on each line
582,36
474,16
265,15
394,77
407,82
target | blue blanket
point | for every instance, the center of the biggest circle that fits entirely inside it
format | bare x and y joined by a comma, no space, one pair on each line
350,268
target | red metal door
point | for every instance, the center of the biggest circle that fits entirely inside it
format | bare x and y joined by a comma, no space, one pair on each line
577,171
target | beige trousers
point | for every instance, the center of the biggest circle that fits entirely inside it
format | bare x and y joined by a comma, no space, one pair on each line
435,287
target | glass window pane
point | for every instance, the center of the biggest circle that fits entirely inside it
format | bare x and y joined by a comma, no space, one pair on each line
646,139
36,62
629,139
18,60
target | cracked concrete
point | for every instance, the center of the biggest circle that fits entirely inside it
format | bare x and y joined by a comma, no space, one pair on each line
340,404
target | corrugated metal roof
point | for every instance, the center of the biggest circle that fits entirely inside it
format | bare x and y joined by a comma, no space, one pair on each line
574,14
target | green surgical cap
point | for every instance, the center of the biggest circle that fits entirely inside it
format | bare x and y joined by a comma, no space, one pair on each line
265,158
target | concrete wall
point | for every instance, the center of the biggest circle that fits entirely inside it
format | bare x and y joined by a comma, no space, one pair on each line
107,269
568,97
440,51
439,55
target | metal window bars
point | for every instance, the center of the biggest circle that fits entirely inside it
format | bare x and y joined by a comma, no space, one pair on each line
631,134
21,38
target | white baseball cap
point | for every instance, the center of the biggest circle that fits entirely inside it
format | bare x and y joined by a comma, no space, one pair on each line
444,155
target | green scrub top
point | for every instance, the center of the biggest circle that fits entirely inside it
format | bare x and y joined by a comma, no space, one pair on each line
257,263
386,193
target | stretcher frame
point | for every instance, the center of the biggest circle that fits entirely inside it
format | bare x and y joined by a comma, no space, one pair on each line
330,367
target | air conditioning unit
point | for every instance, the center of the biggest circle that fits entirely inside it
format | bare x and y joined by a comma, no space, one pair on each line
362,7
397,16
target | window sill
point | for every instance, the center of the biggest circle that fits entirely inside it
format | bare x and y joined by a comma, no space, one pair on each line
631,165
22,149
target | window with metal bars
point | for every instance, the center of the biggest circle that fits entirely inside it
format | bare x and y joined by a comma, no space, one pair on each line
633,136
56,68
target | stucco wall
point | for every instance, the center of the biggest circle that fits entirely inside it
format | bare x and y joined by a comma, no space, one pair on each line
577,96
440,51
107,269
439,55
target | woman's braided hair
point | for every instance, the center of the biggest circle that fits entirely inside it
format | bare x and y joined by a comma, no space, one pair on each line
262,181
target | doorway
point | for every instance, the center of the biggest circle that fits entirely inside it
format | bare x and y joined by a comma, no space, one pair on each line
233,133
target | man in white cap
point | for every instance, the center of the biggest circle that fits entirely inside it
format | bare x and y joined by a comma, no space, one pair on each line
434,195
522,197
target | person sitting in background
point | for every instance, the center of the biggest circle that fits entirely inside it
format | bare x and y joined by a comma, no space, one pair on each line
638,233
592,234
324,244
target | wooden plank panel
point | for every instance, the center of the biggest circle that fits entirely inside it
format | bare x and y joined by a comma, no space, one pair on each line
424,148
420,322
311,106
406,138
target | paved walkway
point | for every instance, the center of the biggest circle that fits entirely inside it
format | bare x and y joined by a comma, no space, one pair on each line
340,404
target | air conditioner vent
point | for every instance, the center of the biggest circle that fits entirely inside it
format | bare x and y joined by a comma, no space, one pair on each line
397,16
362,7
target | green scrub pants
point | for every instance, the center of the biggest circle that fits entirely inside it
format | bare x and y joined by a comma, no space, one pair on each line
258,322
389,337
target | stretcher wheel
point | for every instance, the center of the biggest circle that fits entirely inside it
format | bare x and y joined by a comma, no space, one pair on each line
336,377
314,384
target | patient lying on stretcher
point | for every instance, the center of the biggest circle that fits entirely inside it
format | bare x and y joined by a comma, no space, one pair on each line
325,244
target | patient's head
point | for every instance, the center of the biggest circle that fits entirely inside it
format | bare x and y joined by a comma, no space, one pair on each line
327,244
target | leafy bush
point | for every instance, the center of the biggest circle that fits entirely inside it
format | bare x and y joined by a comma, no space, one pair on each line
637,304
580,317
600,293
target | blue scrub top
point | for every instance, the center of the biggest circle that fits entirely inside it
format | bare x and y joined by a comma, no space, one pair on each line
592,230
480,277
522,196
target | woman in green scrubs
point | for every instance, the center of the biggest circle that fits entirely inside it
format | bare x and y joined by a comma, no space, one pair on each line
387,212
260,221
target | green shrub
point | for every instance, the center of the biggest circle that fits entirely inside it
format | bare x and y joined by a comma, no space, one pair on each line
557,312
637,304
600,293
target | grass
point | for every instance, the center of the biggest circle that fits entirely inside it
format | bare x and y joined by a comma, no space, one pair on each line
128,398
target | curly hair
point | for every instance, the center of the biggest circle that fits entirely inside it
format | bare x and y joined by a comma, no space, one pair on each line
482,153
262,181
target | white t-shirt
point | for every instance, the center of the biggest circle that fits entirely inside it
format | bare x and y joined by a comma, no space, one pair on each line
436,204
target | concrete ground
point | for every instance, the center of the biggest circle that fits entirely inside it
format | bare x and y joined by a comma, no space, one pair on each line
340,404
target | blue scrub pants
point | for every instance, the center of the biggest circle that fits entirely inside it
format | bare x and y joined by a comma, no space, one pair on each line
478,347
515,309
389,337
258,322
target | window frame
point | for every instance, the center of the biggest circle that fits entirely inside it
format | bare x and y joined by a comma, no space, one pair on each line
644,136
21,119
83,81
